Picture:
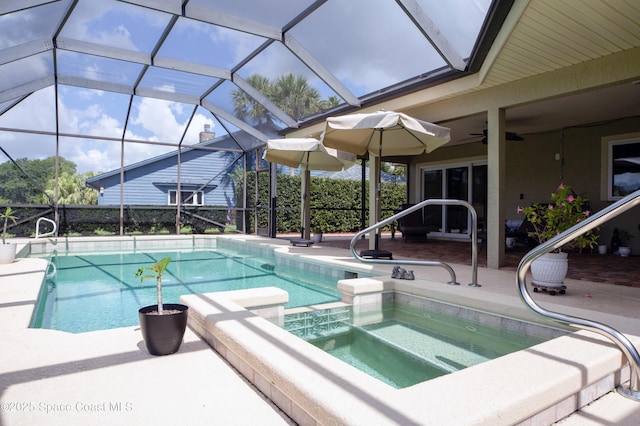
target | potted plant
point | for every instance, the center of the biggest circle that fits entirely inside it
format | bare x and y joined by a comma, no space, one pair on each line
162,325
548,220
624,250
7,250
317,235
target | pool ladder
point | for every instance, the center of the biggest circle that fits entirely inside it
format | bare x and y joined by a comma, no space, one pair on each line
38,234
439,202
623,343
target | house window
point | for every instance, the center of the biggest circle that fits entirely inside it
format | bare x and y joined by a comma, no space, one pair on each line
624,167
190,198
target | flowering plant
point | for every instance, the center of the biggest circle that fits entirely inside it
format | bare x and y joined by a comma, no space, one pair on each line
563,211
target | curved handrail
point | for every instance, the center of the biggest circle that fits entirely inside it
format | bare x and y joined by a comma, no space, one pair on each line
625,345
38,234
474,240
53,273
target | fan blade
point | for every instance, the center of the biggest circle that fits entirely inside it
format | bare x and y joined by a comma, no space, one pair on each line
510,136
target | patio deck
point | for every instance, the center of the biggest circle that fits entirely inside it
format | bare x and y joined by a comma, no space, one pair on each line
107,377
587,266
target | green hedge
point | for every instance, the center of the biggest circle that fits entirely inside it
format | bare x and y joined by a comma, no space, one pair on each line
335,203
335,207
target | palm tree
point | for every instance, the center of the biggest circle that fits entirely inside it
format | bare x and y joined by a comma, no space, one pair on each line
72,189
247,108
331,101
295,96
291,93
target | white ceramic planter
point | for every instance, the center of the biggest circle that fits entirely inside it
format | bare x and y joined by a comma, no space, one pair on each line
624,251
317,237
550,269
7,252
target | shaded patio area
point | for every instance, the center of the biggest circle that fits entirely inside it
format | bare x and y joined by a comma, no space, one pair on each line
588,266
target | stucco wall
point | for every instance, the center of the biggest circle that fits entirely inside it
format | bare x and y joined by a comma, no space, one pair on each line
533,170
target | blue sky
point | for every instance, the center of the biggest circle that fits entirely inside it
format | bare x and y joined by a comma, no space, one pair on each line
366,44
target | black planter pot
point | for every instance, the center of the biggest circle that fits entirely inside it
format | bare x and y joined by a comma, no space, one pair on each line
163,333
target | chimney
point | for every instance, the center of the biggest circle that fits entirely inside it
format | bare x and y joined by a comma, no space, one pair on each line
207,134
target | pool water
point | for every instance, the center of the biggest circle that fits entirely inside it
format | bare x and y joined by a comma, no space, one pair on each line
100,291
403,345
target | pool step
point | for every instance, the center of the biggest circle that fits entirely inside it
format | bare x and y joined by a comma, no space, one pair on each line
437,348
378,358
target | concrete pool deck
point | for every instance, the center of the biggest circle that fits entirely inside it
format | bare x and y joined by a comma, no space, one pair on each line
107,376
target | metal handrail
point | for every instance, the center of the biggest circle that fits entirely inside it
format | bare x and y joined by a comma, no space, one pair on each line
474,240
38,234
625,345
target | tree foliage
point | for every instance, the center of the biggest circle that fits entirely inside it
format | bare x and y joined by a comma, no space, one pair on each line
291,93
71,189
33,182
336,204
22,189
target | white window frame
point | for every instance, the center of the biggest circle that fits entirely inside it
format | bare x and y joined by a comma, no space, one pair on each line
196,200
607,164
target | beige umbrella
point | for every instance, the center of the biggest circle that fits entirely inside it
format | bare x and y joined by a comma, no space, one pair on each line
309,154
383,134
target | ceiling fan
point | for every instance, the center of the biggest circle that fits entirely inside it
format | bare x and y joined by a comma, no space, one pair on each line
510,136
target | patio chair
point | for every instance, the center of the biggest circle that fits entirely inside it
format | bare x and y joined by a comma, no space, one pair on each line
519,231
413,226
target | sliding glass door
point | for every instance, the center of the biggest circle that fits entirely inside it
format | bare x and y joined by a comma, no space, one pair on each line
466,182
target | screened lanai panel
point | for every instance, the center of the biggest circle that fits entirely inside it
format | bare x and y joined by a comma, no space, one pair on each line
115,23
91,156
5,106
275,13
207,179
205,129
368,45
27,182
460,21
31,72
98,68
177,83
34,113
90,112
239,104
155,180
287,82
206,44
216,133
32,24
158,120
339,48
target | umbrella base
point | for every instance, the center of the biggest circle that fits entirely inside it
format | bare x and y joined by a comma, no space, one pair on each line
376,254
305,243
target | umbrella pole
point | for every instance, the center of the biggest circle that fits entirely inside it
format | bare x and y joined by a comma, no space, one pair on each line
378,178
306,208
375,185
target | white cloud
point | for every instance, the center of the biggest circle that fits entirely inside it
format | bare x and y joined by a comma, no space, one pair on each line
157,117
85,20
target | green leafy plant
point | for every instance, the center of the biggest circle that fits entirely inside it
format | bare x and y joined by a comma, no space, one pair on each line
563,211
156,272
625,237
7,215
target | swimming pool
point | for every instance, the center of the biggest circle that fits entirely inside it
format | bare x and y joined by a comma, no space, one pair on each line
87,292
402,345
